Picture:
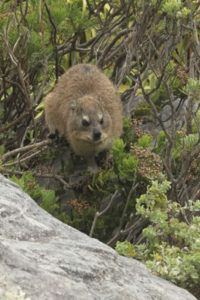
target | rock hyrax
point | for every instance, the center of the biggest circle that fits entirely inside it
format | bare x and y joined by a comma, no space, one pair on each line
85,107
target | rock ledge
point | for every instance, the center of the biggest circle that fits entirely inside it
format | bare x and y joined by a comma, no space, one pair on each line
42,258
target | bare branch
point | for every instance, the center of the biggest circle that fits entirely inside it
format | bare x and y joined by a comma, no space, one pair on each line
99,214
26,148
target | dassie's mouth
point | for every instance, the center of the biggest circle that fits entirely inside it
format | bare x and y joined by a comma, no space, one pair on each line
91,141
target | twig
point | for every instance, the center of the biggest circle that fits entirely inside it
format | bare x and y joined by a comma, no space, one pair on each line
45,63
25,148
137,224
119,231
54,38
133,188
19,161
110,46
14,122
17,64
99,214
57,177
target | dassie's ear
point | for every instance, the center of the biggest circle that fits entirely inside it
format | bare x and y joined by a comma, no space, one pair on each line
73,105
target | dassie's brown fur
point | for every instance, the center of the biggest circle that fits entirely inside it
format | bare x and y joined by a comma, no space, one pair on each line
85,107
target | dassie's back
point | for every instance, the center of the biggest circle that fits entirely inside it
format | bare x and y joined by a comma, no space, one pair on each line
78,81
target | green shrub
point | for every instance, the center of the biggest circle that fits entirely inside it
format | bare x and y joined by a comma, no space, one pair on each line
172,239
125,249
47,198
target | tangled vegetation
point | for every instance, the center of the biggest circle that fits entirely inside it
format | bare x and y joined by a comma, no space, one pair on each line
144,199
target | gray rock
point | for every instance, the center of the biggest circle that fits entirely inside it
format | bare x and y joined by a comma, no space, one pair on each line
42,258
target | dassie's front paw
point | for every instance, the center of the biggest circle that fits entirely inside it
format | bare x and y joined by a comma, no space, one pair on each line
92,166
93,169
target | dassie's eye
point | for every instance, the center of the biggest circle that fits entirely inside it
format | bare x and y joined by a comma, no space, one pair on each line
101,121
85,123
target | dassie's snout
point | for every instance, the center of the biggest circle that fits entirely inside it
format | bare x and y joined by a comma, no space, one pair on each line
96,134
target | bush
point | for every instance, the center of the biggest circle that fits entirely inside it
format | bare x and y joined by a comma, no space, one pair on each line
172,240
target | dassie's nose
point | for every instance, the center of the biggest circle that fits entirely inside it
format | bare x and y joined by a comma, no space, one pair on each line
96,135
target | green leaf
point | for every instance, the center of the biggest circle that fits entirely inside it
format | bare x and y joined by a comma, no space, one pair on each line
125,249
